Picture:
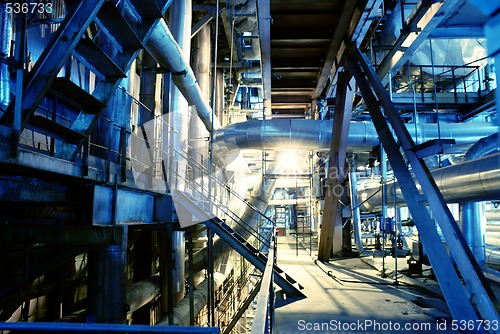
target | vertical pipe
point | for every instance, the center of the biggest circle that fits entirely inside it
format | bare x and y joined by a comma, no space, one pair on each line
219,96
358,241
180,25
383,180
473,226
5,38
198,134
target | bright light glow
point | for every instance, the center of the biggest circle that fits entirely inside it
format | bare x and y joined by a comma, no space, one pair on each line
289,161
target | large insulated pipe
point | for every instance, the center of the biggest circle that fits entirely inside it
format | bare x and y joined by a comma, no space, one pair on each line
169,55
259,198
316,134
470,181
142,292
472,214
200,296
198,134
473,226
180,23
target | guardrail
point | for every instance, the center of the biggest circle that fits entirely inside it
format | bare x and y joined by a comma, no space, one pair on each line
263,321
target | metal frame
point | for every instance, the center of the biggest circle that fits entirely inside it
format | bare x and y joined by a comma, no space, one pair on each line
459,299
331,231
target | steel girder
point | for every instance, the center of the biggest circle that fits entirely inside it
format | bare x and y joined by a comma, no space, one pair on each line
460,299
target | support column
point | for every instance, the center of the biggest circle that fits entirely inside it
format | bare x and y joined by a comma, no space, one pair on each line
107,282
473,226
331,230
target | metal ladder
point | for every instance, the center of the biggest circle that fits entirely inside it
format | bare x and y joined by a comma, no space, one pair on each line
242,246
196,204
460,297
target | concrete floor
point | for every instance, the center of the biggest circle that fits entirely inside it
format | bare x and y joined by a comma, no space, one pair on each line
350,296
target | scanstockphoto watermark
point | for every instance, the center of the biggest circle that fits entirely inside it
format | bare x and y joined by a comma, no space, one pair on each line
360,326
371,326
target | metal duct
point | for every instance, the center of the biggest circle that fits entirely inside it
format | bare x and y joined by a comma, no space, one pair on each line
141,293
483,147
163,47
472,215
316,134
200,296
473,226
471,181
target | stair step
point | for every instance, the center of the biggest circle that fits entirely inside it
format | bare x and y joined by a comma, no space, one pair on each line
117,28
75,96
147,9
92,56
53,129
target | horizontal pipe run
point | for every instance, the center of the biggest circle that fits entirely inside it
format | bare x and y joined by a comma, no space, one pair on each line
316,134
200,297
141,293
163,47
472,181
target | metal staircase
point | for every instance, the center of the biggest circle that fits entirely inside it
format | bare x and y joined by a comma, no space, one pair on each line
206,208
103,37
464,287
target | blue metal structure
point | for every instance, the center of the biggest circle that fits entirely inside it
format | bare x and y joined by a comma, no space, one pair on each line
455,293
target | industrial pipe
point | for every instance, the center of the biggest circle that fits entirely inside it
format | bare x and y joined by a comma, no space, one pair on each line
169,55
316,134
142,292
200,296
475,180
358,241
472,214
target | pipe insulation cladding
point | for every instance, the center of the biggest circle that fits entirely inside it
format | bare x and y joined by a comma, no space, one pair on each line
471,181
316,135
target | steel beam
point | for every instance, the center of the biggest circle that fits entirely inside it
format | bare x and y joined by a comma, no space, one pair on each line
54,56
458,298
331,230
426,17
349,15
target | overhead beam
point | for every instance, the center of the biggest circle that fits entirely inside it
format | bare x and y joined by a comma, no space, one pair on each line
458,32
348,16
420,25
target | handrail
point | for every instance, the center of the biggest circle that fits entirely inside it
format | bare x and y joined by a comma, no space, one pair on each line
204,170
262,322
195,187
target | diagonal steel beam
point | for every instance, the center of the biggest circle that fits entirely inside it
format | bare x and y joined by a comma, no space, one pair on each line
54,56
458,298
331,230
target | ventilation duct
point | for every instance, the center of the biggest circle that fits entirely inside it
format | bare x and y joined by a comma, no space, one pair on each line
316,134
471,181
